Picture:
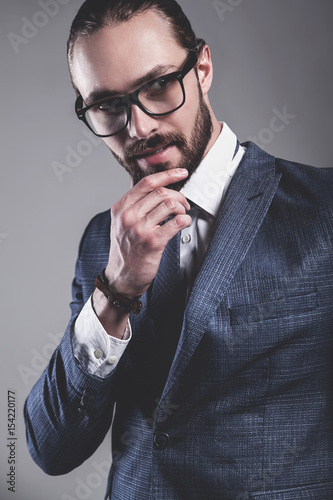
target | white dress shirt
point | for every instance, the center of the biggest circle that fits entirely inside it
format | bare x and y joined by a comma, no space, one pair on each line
98,352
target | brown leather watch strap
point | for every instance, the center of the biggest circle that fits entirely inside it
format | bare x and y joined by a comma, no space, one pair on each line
118,299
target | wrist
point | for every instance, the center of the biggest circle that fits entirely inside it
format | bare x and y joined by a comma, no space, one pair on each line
119,284
124,302
112,318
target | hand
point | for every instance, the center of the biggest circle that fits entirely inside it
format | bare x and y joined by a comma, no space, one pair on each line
137,237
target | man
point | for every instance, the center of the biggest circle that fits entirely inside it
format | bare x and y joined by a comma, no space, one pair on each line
202,308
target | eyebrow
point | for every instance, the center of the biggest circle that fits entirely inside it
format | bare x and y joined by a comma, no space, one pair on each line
158,71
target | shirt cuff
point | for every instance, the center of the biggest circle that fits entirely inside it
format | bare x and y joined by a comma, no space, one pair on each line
97,352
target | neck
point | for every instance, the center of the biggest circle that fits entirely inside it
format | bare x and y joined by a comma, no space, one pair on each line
217,128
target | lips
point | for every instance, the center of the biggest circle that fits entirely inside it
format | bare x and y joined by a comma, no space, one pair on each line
152,152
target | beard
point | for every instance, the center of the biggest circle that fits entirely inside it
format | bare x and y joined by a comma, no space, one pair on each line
192,150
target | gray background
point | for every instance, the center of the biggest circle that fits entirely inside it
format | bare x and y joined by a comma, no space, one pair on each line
268,55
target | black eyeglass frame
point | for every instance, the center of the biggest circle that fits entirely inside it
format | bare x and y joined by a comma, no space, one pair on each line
133,98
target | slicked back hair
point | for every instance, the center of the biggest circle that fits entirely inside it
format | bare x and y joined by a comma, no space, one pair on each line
96,14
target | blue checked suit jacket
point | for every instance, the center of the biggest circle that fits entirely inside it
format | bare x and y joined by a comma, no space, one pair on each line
238,402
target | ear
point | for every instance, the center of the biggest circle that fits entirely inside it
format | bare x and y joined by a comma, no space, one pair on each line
205,69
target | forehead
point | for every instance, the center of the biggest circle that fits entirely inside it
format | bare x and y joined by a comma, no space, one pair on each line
117,55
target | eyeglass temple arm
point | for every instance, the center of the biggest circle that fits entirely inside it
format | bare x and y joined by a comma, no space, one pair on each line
193,58
199,45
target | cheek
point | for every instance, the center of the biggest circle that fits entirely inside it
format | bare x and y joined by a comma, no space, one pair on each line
115,144
188,112
185,121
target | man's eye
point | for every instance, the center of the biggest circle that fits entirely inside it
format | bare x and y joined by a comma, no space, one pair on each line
113,106
105,106
159,84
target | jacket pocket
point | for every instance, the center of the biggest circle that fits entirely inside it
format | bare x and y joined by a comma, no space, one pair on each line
323,491
273,309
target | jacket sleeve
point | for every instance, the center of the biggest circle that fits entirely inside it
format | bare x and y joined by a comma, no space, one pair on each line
68,411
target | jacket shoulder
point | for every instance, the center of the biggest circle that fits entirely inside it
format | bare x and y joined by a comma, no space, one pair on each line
297,179
312,184
97,231
306,173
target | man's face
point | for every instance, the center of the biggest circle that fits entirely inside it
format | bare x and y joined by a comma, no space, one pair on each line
117,60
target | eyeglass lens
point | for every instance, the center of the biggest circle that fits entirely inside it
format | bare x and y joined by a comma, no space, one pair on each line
160,96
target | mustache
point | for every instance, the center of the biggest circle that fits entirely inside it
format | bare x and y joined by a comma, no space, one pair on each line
157,140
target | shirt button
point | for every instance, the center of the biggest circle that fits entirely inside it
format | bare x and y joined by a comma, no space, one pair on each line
98,353
83,412
89,395
161,440
186,239
112,360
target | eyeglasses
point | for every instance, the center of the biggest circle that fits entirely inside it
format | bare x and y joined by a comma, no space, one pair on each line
159,97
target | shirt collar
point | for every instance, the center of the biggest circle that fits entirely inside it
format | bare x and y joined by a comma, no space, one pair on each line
207,183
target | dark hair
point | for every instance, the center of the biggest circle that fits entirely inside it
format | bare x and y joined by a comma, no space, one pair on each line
96,14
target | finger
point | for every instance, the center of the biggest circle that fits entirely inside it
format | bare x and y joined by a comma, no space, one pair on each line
154,181
172,227
152,210
157,197
164,210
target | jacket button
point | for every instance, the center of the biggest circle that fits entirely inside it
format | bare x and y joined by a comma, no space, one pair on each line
161,440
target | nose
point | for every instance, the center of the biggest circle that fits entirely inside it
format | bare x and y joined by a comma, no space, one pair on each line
141,125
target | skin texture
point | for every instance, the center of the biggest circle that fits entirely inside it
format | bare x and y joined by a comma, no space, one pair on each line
114,60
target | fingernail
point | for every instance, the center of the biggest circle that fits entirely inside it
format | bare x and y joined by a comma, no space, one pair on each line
181,171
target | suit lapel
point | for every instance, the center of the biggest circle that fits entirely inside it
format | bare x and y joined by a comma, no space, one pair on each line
249,197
